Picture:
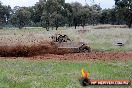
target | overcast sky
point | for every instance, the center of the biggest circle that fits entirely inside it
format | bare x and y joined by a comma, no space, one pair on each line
103,3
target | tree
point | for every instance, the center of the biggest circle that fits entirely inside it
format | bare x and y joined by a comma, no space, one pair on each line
52,14
4,14
57,19
56,13
84,15
21,17
95,12
76,7
45,21
126,6
68,14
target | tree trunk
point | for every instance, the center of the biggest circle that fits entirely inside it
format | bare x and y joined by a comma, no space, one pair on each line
56,27
47,28
75,25
130,23
20,26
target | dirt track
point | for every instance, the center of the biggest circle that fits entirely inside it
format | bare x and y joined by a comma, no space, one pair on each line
29,45
87,56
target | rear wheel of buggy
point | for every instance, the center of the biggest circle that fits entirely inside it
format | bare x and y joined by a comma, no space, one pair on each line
85,50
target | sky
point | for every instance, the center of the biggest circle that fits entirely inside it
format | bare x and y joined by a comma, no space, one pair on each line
103,3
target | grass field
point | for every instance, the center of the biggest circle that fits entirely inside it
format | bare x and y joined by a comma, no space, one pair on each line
99,39
24,73
21,73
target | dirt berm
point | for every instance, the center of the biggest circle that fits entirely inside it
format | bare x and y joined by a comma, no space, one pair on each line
27,50
24,50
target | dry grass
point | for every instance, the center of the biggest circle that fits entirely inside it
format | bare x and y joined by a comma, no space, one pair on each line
110,26
33,39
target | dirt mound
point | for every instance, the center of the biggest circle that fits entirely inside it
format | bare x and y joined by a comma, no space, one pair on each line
27,50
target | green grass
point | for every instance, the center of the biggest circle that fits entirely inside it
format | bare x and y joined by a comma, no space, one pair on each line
21,73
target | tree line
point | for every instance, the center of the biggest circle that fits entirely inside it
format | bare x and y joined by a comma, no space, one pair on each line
57,13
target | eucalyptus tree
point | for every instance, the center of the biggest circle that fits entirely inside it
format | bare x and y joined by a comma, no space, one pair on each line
126,6
21,17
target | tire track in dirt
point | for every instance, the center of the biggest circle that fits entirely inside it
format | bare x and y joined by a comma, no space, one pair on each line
87,56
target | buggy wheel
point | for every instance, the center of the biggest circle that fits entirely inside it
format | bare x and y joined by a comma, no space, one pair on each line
85,49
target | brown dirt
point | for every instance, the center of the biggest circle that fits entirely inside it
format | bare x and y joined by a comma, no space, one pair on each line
48,50
18,50
87,56
38,48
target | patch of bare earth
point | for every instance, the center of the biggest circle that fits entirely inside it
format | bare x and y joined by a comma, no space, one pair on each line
86,56
35,47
